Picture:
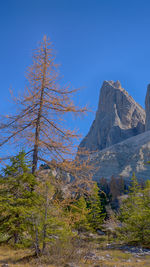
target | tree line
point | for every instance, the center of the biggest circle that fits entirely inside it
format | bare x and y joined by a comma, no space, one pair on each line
34,218
37,218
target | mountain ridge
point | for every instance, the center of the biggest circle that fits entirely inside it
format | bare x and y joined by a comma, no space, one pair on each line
118,117
124,147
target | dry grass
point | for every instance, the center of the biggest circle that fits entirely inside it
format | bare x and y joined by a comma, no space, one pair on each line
72,253
13,257
18,257
118,259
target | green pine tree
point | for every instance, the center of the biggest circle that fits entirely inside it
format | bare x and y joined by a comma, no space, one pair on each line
135,215
81,211
16,199
96,215
48,220
134,188
77,214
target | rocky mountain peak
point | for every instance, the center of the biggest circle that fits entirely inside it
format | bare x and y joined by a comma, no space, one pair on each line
147,109
116,84
118,117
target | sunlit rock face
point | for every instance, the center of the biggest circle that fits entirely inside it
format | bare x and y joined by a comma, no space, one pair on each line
119,138
147,109
118,118
123,159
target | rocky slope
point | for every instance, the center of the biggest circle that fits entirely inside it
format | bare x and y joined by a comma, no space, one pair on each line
118,117
124,158
119,138
147,109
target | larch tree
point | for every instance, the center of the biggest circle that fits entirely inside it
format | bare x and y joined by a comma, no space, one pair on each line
39,122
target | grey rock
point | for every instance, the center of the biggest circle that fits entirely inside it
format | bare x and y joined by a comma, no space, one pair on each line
108,256
123,159
99,232
135,251
147,109
89,255
92,256
100,258
118,117
117,138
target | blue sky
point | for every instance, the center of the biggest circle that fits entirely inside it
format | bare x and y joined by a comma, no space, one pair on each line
95,40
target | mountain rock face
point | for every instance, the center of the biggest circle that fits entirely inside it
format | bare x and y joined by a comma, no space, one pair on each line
147,109
124,158
118,118
119,138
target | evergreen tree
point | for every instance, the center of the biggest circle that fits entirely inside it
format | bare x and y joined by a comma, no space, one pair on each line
135,215
104,186
48,221
16,198
77,214
96,215
134,187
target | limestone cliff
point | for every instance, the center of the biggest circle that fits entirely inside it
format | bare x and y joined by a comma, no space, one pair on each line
147,109
118,118
124,158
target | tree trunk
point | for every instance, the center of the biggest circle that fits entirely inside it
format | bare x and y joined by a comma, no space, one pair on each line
45,221
38,121
15,238
37,247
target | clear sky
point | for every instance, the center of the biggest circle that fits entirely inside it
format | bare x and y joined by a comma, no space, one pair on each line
95,40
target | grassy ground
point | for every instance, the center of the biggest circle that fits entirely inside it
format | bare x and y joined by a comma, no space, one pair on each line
15,257
118,258
79,256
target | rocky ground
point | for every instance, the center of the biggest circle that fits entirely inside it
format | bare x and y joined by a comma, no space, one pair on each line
92,253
